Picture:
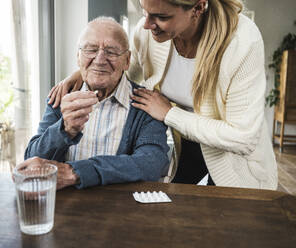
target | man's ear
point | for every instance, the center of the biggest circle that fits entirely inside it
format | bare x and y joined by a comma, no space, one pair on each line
128,60
78,59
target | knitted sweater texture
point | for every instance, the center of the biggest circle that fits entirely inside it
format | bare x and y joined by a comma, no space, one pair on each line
233,133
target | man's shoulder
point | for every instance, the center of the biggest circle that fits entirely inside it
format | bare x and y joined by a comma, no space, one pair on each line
49,108
135,85
138,113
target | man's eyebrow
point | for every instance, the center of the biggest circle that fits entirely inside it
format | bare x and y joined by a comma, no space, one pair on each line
109,46
89,44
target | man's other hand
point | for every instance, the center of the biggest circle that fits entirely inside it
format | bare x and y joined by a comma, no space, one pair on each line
66,176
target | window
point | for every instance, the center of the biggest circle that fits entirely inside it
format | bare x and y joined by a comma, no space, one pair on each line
19,53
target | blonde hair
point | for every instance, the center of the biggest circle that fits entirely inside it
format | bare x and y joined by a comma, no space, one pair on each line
219,23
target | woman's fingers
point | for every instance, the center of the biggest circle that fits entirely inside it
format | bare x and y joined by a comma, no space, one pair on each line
52,94
51,91
140,99
58,97
78,84
64,89
141,106
143,92
152,102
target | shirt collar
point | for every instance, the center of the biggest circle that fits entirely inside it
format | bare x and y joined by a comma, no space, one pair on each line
121,93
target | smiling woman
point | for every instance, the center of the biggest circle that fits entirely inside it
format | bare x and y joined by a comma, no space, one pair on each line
163,19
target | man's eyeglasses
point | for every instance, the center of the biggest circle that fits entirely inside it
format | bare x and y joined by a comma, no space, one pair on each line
109,53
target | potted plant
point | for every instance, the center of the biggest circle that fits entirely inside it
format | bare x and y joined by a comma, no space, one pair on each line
288,43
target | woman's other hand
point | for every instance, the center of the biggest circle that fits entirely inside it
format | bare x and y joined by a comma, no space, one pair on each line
152,102
69,84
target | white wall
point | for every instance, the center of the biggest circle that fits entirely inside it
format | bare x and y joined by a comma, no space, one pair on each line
71,16
275,19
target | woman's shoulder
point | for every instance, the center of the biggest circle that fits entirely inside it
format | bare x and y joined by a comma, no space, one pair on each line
246,36
246,39
247,30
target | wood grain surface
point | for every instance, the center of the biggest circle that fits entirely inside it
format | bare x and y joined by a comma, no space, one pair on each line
198,216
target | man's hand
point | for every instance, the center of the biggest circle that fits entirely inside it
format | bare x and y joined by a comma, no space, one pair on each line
66,176
75,108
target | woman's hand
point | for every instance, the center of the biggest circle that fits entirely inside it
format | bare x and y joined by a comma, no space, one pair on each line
152,102
71,83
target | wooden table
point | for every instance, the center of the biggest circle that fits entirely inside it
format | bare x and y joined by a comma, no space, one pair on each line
198,216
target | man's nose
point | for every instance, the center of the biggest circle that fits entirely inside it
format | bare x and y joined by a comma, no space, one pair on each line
100,56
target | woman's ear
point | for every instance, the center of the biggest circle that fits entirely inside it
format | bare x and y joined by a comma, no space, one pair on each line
78,59
200,7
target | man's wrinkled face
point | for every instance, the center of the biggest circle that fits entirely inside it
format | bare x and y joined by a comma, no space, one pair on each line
102,57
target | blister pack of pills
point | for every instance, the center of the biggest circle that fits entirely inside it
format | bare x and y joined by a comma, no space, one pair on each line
154,197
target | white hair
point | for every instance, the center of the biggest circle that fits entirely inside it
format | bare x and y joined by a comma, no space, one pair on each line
123,38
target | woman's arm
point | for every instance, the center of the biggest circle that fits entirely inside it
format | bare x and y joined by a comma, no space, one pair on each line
242,107
242,104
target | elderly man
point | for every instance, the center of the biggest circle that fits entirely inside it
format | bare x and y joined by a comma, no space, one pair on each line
96,130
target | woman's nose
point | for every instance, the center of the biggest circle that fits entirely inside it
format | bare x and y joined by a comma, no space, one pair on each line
149,22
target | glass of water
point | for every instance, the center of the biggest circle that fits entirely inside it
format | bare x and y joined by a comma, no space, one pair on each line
36,191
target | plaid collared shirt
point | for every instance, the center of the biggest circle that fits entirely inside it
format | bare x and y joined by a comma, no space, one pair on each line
102,132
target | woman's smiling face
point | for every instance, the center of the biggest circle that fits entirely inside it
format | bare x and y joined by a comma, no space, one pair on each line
166,21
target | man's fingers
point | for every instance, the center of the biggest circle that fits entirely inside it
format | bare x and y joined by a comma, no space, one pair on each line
79,104
80,113
32,163
80,95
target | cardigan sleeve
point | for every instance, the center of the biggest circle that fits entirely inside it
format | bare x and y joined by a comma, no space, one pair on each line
239,128
146,161
51,141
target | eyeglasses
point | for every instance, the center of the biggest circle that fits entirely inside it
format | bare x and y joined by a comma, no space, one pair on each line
109,53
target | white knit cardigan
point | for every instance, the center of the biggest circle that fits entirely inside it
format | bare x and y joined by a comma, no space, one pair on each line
234,139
